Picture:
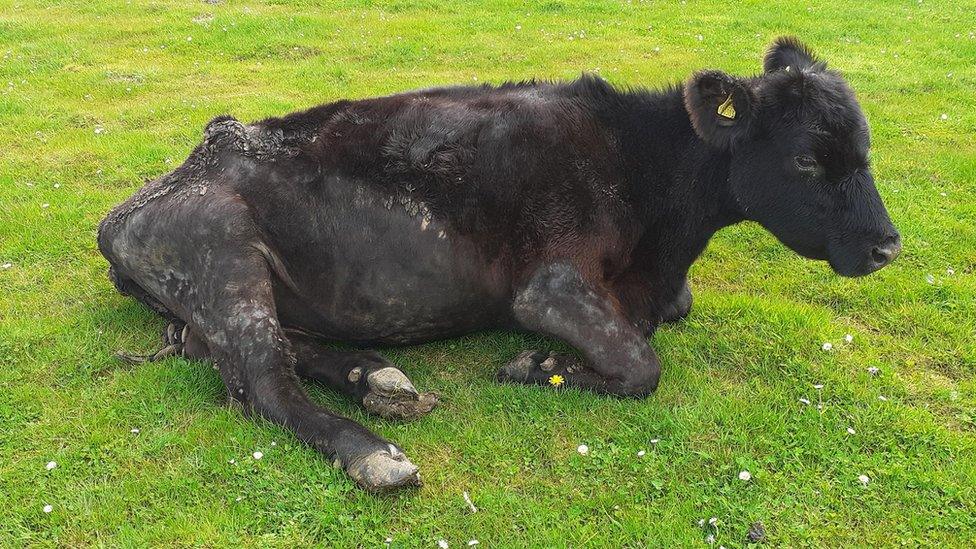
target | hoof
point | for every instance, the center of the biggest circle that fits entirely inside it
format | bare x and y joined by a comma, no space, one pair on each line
391,395
520,369
384,470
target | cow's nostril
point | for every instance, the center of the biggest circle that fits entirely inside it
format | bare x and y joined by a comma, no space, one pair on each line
879,255
887,252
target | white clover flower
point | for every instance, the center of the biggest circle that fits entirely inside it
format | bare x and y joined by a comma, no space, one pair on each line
944,116
134,430
442,543
583,449
745,476
848,338
950,271
864,479
258,455
655,440
7,265
827,346
850,431
51,465
641,453
713,521
48,508
873,370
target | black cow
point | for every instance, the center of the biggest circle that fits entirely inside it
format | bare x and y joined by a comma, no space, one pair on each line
571,209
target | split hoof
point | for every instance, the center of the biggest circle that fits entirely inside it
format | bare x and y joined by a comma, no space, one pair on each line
384,470
540,368
521,368
392,396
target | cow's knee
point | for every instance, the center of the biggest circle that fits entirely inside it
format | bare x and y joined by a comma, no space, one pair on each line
638,382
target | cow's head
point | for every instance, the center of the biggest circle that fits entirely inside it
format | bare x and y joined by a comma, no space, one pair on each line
798,144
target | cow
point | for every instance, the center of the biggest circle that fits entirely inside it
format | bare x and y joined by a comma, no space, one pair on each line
570,209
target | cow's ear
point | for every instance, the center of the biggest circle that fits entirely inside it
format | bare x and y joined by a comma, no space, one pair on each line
719,106
788,53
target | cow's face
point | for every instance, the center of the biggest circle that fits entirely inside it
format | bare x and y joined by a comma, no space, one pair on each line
798,145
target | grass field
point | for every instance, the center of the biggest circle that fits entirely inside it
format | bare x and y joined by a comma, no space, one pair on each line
96,96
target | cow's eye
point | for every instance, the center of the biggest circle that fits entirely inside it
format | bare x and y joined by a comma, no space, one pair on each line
805,162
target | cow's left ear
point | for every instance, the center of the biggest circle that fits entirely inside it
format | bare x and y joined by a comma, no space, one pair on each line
719,106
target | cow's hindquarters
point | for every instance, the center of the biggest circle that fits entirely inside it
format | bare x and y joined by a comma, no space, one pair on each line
199,256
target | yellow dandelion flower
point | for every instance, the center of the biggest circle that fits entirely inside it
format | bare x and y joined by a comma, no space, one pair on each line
556,380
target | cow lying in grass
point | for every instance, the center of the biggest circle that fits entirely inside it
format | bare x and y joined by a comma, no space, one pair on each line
574,210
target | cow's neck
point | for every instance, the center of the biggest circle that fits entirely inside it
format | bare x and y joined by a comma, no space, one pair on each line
679,185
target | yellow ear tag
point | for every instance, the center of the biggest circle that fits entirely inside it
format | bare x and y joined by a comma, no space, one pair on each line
727,109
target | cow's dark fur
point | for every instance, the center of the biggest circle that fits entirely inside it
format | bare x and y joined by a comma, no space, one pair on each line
571,209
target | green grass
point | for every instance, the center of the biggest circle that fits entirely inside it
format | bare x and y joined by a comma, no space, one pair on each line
150,75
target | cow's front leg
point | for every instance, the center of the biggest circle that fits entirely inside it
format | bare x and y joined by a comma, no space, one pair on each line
557,301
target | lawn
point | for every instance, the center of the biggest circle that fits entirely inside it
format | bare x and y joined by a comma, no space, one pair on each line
96,96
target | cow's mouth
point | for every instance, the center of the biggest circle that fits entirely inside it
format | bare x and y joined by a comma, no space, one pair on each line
866,260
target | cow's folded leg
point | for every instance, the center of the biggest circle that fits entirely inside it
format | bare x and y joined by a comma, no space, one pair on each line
365,375
223,287
255,361
557,301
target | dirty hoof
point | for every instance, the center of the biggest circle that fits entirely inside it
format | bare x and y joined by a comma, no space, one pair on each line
522,367
537,366
384,470
391,395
